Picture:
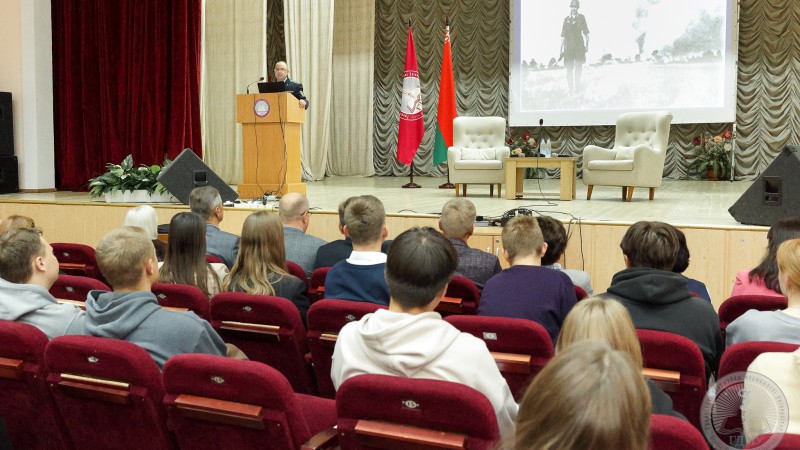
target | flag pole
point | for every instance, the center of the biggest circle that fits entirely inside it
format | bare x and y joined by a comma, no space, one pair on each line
412,128
447,68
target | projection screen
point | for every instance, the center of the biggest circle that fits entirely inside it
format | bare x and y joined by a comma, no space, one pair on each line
622,55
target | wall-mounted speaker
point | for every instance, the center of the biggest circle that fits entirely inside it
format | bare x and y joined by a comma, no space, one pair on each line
6,125
774,194
187,172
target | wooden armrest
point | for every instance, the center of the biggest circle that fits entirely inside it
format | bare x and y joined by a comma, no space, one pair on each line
72,266
101,389
325,439
66,301
251,327
512,362
163,237
388,435
320,289
220,411
330,337
667,380
11,368
450,304
175,308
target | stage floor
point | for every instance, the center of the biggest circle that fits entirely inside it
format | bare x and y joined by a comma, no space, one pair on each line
683,203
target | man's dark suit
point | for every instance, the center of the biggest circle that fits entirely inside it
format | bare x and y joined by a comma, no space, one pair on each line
296,89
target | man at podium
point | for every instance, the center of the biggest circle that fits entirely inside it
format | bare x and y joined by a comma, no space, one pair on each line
282,75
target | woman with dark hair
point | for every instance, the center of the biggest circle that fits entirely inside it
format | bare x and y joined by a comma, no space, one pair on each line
185,260
682,263
763,280
260,267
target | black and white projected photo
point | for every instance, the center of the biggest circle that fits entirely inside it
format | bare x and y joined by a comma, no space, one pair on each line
583,62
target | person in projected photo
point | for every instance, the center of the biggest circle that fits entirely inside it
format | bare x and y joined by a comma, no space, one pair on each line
574,45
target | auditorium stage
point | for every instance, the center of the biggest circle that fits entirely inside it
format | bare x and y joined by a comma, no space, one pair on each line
719,245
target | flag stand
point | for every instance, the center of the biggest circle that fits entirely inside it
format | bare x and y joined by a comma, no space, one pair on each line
447,185
411,184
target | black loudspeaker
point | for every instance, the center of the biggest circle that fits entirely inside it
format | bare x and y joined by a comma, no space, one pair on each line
187,172
6,126
9,175
774,194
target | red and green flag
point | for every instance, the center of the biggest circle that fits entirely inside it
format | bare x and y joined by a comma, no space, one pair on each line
447,105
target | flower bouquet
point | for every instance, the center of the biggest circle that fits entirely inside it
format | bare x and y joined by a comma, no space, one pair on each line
525,146
713,156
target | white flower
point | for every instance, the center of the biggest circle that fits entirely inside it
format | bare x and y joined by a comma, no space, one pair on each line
531,141
727,147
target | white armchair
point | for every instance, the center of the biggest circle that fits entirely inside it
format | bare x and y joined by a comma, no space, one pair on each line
637,159
476,156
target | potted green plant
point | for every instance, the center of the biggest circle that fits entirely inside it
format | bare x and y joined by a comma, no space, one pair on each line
713,156
129,184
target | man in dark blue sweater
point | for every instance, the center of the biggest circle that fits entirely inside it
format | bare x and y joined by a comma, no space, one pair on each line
361,276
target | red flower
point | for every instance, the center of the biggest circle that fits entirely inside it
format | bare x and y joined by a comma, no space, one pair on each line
510,141
696,140
525,136
727,134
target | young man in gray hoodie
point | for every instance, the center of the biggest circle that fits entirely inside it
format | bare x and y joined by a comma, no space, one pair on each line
28,269
127,259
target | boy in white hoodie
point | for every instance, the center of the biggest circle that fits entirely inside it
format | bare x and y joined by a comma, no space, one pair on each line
411,340
28,269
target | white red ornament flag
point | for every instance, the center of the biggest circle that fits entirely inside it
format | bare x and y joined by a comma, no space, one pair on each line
412,128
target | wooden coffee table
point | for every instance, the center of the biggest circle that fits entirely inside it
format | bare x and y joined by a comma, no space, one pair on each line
514,168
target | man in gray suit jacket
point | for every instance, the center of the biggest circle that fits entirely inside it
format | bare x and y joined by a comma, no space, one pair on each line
207,202
457,223
301,248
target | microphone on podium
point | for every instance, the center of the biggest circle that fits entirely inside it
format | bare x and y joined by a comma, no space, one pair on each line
254,82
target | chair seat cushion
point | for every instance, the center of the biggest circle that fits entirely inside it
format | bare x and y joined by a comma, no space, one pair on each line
619,165
478,154
478,165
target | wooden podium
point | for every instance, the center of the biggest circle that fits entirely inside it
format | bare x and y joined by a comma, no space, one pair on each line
270,144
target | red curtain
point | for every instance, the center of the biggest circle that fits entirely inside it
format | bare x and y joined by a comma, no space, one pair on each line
127,81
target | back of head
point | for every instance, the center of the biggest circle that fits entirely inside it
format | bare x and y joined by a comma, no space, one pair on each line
185,261
144,217
788,259
682,258
120,255
419,264
292,207
781,231
18,248
364,218
342,208
261,252
597,319
555,235
15,221
203,200
587,397
522,237
650,244
458,217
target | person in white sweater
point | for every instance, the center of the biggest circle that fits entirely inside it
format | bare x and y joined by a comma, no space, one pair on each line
411,340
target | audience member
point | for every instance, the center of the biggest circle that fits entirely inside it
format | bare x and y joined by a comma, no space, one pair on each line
333,252
555,236
301,248
763,280
457,222
775,326
207,202
608,321
261,266
682,263
526,290
783,369
411,340
28,269
14,222
360,277
128,261
185,261
145,217
589,397
657,298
